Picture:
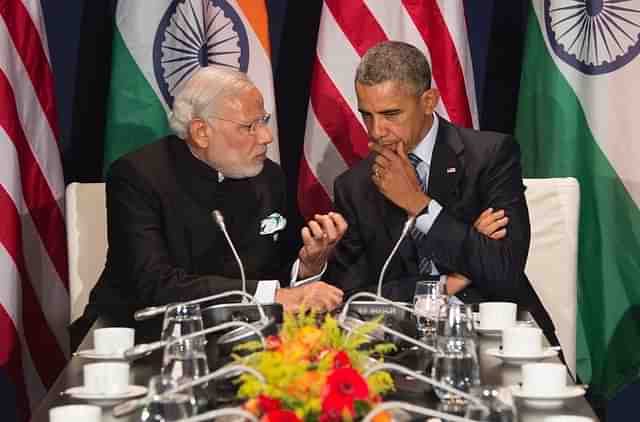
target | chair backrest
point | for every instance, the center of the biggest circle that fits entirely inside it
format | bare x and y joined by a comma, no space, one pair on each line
86,220
553,256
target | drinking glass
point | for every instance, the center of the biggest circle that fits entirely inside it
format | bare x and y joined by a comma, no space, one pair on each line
181,319
455,320
167,408
456,364
427,300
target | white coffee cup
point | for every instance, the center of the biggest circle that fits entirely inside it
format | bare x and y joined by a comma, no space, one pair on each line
113,340
544,378
106,377
567,418
75,413
497,315
522,341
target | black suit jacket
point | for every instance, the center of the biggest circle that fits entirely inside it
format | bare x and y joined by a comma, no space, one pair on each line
470,172
163,243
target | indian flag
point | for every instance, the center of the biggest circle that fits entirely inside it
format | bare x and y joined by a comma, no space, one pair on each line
158,44
578,115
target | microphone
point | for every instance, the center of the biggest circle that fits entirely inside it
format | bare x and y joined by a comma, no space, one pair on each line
407,225
219,219
231,370
152,311
141,350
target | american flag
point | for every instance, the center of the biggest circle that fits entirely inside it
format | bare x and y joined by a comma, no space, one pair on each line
34,299
335,137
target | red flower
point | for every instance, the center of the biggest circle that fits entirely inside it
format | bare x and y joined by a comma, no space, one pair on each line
267,404
280,416
273,342
347,381
334,405
343,387
341,360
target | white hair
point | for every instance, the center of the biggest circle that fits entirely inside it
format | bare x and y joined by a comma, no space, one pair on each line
202,94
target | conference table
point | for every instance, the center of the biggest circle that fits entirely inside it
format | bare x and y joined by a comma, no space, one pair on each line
492,372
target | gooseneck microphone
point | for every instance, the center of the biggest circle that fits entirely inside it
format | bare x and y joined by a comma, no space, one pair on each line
219,219
407,225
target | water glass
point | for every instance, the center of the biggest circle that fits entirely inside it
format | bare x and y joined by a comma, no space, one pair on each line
428,298
181,319
167,408
456,364
455,320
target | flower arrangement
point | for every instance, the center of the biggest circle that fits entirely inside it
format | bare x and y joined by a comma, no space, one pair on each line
313,372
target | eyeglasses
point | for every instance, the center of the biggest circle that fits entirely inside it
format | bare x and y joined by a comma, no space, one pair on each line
251,127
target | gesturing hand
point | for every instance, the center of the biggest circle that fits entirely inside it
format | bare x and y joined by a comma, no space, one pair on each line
319,238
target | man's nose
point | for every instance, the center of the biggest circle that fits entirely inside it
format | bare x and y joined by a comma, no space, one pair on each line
264,134
378,129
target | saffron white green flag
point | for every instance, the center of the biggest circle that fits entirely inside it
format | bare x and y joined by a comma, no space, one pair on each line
579,115
158,44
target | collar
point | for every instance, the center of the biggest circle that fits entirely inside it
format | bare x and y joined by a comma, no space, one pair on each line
220,175
424,149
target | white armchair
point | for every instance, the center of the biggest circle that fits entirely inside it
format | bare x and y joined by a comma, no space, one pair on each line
552,264
86,220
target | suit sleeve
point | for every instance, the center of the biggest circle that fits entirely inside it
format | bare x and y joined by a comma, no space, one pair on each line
138,246
492,265
348,265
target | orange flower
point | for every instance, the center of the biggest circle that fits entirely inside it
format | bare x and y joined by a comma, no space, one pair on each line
310,336
383,416
308,385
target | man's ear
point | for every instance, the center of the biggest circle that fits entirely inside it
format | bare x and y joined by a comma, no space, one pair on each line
429,100
198,133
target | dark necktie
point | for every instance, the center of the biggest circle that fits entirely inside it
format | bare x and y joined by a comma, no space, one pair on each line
424,263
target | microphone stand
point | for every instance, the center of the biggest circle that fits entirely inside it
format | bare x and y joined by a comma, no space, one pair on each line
407,225
140,350
219,219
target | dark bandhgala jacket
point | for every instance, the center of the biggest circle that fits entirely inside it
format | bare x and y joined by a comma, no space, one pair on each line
164,245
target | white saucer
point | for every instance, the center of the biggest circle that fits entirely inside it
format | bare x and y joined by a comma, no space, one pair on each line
520,359
547,400
92,354
82,394
493,332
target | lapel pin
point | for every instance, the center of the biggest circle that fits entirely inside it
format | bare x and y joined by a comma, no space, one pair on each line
451,170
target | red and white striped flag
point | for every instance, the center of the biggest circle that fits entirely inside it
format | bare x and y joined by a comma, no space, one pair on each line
34,299
336,137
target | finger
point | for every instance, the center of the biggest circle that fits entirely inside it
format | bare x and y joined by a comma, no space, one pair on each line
340,223
316,231
498,224
328,227
500,234
483,218
387,152
381,161
306,236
